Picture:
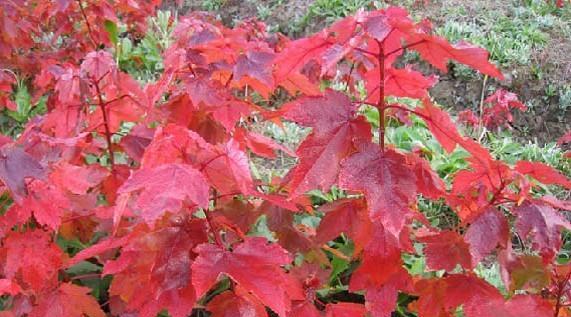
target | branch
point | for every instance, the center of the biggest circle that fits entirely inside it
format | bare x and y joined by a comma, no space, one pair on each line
381,104
89,31
106,125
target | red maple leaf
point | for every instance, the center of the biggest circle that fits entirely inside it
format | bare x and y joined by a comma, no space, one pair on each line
445,250
255,265
336,130
388,181
68,300
183,181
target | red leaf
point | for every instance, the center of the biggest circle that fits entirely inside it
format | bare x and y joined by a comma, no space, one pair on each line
564,139
437,51
349,216
441,126
254,68
236,304
281,221
68,301
78,179
260,144
24,263
297,54
153,271
46,202
182,181
445,250
399,83
8,287
255,265
440,297
383,250
544,224
345,310
98,64
487,231
543,173
518,306
335,133
388,181
15,166
96,249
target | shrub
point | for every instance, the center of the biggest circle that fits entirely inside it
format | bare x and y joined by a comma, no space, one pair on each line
142,194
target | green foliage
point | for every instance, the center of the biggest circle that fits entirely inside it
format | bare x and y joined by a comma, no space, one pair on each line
329,11
143,58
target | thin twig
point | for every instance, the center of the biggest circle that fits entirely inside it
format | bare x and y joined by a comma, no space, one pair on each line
89,31
481,128
106,125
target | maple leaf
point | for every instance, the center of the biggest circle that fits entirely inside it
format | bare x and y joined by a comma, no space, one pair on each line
388,181
46,202
255,265
524,272
305,308
228,170
99,64
399,83
260,144
236,304
543,173
437,51
15,166
96,249
153,271
349,216
135,143
8,287
211,98
254,69
441,126
297,53
429,184
68,300
24,264
281,221
172,144
441,296
182,181
335,133
345,310
487,231
241,213
517,306
544,223
445,250
383,249
564,139
77,179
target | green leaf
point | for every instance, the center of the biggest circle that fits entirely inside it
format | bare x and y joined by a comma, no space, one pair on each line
112,30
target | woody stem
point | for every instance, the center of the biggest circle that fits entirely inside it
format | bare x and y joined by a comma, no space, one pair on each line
102,106
381,103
